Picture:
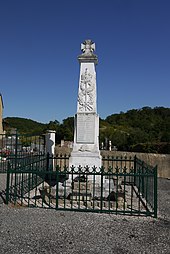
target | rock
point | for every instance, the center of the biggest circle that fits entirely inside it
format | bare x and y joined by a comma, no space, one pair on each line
113,196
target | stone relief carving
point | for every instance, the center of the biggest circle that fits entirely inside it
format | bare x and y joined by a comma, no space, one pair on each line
86,92
84,148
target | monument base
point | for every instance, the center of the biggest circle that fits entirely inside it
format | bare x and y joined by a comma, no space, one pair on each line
85,159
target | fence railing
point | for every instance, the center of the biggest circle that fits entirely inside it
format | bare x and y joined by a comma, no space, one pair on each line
123,185
21,178
146,182
15,148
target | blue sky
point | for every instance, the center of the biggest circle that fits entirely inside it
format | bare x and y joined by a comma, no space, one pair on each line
40,41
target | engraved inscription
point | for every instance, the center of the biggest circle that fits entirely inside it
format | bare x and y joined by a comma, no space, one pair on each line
85,128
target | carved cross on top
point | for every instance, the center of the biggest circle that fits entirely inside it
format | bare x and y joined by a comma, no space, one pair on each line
88,47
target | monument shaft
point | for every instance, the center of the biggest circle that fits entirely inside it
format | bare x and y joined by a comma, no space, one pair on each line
86,127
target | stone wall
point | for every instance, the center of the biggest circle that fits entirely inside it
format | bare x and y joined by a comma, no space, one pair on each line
161,160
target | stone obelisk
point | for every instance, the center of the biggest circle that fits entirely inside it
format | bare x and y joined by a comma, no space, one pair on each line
86,124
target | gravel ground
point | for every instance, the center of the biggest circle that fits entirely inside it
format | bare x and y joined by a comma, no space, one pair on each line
34,230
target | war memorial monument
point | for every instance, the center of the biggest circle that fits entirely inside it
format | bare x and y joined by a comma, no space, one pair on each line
83,182
86,124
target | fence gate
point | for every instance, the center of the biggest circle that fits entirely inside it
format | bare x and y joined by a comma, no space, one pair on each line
19,151
121,185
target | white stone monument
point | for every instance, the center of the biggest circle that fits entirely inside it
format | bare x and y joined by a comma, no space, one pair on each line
86,126
50,145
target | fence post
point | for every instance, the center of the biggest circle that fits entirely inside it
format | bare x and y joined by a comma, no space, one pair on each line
16,149
7,184
155,192
48,160
57,177
135,162
142,178
101,201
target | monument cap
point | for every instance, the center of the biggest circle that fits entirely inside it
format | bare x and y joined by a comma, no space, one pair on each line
87,47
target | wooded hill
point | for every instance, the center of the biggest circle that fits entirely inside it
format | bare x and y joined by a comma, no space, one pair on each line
140,130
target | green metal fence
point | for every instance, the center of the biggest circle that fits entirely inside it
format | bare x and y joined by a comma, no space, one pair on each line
17,149
21,179
122,186
146,183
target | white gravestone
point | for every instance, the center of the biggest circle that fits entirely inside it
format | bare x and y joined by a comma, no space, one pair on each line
86,126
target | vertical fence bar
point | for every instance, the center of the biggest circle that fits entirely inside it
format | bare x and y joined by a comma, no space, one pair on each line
94,182
22,187
101,201
7,184
16,148
117,182
48,160
124,185
155,192
131,204
135,169
142,179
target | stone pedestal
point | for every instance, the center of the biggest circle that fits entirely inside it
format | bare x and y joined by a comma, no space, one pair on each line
50,142
50,145
86,126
